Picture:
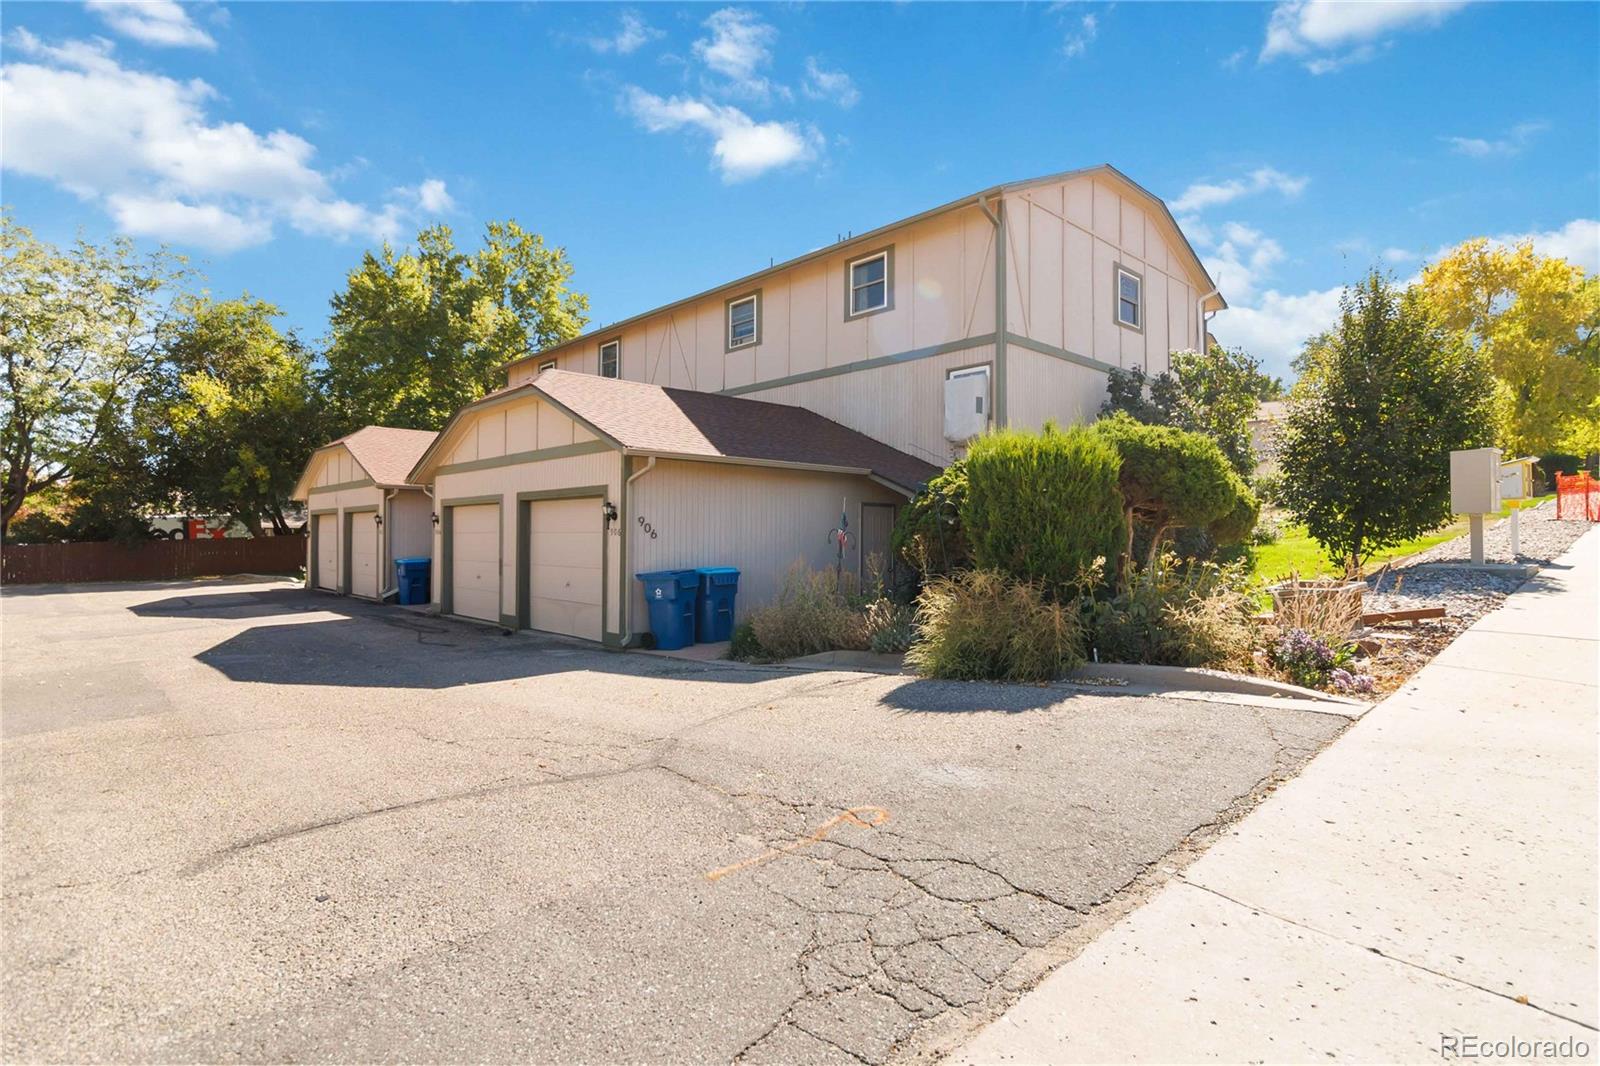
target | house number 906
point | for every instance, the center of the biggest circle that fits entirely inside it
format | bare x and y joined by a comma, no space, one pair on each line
647,527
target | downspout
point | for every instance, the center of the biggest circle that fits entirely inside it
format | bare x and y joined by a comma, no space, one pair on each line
999,223
388,544
1203,318
627,583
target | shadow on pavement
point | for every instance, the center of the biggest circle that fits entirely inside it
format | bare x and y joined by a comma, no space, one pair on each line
961,697
373,646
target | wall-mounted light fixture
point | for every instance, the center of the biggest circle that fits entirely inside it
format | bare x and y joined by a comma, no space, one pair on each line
377,520
609,509
435,517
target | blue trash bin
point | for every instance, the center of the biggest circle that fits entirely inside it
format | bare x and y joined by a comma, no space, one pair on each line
719,585
412,579
672,596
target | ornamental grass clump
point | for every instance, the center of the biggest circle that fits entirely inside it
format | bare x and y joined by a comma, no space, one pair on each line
979,625
812,613
1198,615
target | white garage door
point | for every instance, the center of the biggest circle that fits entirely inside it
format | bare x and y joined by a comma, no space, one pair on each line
364,563
475,561
565,539
328,551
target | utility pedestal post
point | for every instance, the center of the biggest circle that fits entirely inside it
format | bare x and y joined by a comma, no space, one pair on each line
1475,490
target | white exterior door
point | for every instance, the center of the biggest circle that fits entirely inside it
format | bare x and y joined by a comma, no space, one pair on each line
475,561
328,552
565,580
364,554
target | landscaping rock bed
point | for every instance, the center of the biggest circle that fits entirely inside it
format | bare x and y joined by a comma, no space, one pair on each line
1465,593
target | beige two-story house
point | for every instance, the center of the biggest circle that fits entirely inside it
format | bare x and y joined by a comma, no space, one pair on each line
744,425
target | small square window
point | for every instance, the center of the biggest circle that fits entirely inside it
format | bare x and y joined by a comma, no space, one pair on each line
869,283
611,359
1130,299
743,321
547,365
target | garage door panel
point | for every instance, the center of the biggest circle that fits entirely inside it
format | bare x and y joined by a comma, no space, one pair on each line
577,584
327,552
565,579
364,554
475,561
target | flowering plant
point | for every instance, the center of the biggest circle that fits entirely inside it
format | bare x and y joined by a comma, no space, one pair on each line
1314,663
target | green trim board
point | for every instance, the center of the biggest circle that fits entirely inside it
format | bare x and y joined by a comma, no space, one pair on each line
525,502
1000,313
909,356
346,535
446,543
359,483
1059,353
562,451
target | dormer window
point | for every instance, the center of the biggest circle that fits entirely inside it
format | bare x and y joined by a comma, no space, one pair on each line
744,320
611,358
548,364
1130,299
868,283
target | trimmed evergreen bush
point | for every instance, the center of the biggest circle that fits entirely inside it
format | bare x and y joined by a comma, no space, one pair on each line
1043,507
928,534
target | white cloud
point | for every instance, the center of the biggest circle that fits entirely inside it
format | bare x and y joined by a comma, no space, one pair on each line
157,22
743,148
1277,327
1201,195
1399,255
632,34
204,225
434,198
144,147
835,85
740,45
1512,143
1078,41
1329,34
1241,259
1578,242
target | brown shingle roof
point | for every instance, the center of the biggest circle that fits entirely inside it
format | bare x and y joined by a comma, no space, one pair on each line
651,419
385,453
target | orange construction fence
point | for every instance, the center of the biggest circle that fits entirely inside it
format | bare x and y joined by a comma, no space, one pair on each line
1578,496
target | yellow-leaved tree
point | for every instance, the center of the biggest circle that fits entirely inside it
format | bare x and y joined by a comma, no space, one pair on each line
1536,320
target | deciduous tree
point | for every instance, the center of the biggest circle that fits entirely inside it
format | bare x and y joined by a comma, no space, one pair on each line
1382,400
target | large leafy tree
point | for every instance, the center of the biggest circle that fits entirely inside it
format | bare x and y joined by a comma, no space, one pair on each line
416,334
80,331
232,412
1214,393
1536,320
1382,400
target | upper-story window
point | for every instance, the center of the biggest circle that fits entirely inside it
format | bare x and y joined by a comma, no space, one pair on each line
868,283
744,320
1130,299
611,358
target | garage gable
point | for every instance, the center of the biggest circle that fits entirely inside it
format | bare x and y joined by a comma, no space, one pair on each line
332,468
520,427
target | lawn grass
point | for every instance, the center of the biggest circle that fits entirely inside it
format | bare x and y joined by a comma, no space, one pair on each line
1296,552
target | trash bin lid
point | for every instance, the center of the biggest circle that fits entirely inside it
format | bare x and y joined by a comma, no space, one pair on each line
414,560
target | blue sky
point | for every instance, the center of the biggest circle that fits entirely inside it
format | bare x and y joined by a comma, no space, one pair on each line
671,147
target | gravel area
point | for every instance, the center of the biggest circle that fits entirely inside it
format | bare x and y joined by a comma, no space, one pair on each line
1465,593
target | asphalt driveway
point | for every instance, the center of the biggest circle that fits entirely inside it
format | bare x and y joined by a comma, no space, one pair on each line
242,822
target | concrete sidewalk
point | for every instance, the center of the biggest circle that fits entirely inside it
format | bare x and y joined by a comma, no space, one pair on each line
1429,877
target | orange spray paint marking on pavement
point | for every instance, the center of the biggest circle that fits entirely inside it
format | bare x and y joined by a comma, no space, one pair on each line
865,817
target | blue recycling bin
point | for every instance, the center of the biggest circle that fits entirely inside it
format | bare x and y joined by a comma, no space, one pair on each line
672,596
412,579
713,621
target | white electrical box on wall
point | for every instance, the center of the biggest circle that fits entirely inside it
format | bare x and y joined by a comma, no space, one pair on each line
1475,481
966,404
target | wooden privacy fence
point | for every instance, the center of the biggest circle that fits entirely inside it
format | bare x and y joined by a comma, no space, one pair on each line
37,564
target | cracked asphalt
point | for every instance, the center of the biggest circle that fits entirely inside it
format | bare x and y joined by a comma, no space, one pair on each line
246,823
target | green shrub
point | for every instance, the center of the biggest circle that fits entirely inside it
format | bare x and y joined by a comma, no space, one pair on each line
928,533
1194,616
744,646
979,625
1172,478
1042,507
812,613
